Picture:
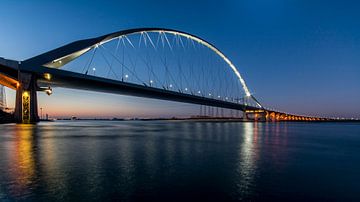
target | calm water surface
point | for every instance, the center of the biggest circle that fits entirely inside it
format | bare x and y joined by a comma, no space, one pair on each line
179,161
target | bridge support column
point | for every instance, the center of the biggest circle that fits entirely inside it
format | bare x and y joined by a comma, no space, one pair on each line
245,116
26,108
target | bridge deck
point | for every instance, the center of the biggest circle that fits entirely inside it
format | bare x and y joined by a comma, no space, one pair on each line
67,79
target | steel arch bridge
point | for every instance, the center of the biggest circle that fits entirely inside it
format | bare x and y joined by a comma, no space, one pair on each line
155,63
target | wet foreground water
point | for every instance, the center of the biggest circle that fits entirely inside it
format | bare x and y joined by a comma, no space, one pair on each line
179,161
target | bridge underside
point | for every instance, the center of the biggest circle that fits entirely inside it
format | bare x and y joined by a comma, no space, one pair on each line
8,77
8,82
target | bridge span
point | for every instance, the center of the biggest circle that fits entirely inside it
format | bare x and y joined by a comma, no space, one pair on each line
47,71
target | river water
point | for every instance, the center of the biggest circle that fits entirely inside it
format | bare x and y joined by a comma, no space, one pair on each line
179,161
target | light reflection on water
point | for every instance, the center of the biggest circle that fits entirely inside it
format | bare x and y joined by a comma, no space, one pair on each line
178,160
22,160
248,155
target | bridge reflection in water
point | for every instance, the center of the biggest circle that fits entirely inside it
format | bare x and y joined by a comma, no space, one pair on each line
21,159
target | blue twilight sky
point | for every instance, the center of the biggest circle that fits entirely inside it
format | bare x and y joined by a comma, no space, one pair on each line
300,56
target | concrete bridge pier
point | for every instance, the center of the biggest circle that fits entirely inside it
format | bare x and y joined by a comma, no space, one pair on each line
26,107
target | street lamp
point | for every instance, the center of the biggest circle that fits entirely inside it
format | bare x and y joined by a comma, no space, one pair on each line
48,91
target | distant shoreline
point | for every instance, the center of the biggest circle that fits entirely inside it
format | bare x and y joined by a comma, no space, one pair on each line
205,119
7,118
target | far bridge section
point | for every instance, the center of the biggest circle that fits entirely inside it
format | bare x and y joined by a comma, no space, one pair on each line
274,116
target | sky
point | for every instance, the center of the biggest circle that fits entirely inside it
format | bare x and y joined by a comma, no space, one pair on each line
298,56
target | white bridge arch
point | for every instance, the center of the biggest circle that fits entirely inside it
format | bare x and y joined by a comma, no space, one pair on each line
59,57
